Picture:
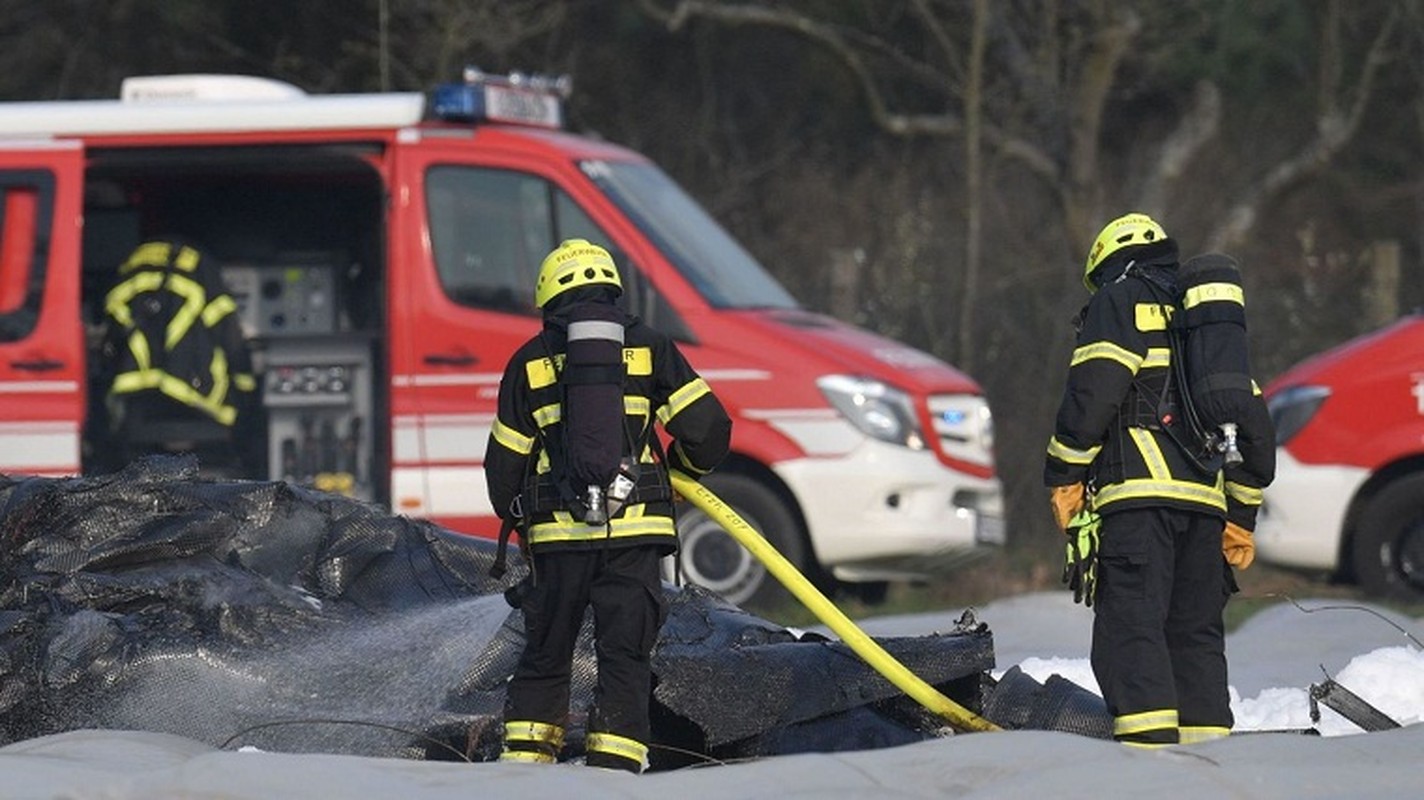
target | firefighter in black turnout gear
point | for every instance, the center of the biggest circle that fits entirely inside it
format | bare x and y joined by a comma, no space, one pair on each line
1127,482
575,461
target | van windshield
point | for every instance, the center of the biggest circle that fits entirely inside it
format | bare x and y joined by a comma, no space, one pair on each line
719,268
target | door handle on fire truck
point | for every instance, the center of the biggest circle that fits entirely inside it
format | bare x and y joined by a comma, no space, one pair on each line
38,365
450,359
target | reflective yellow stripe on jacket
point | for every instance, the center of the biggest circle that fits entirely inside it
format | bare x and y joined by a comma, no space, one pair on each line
150,378
564,528
1159,482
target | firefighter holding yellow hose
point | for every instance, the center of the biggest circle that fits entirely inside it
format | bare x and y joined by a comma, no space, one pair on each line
574,461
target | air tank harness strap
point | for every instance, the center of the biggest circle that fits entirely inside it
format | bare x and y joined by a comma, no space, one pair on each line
543,495
1142,406
506,526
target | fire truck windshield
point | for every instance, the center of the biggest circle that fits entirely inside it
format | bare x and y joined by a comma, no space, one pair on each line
719,268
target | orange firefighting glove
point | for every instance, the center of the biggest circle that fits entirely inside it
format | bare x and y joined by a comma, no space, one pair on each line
1068,501
1237,546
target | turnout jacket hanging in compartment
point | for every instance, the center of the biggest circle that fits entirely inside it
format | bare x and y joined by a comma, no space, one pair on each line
1120,428
172,330
528,445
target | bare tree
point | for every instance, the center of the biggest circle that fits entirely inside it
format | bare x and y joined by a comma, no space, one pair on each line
1341,104
1046,59
1041,87
1064,82
437,38
973,180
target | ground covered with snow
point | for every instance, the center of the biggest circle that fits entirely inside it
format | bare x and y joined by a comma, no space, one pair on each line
1274,658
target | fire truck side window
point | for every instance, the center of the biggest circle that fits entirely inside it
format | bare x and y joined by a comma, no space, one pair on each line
489,230
25,208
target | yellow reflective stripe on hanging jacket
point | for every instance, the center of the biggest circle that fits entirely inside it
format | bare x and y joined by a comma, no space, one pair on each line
194,299
148,254
218,308
116,302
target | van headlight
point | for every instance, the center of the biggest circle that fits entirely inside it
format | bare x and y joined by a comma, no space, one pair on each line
964,426
875,408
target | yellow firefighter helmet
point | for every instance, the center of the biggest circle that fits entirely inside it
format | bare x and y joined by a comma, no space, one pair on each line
1128,230
574,263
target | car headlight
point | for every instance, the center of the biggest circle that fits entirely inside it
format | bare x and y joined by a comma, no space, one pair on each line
1292,408
875,408
964,426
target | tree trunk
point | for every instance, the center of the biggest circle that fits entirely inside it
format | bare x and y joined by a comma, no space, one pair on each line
973,188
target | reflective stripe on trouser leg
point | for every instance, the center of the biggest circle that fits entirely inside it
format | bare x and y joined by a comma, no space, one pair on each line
619,747
1147,728
1191,734
532,741
629,608
553,608
527,756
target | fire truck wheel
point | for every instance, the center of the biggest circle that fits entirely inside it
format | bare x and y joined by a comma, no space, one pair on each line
712,559
1389,541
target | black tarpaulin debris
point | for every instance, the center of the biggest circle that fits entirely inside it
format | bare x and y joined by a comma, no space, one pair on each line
1349,705
265,614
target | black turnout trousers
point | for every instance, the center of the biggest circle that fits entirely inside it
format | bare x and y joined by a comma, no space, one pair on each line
1158,633
624,587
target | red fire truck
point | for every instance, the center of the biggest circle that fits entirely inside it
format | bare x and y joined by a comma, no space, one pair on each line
1348,498
382,250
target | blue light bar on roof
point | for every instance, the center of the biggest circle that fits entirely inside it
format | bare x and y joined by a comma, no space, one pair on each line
516,98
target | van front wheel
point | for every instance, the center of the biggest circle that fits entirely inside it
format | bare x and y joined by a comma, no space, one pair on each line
712,559
1389,542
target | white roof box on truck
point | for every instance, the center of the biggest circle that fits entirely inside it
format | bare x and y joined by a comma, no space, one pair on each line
180,88
208,103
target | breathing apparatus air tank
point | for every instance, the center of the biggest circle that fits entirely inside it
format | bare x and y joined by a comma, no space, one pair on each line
1213,326
592,380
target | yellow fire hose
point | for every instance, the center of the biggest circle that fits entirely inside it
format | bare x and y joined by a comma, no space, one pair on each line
867,648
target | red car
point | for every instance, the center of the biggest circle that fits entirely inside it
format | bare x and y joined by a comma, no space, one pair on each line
1349,491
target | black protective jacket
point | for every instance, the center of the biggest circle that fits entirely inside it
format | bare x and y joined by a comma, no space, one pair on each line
659,384
172,329
1113,426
